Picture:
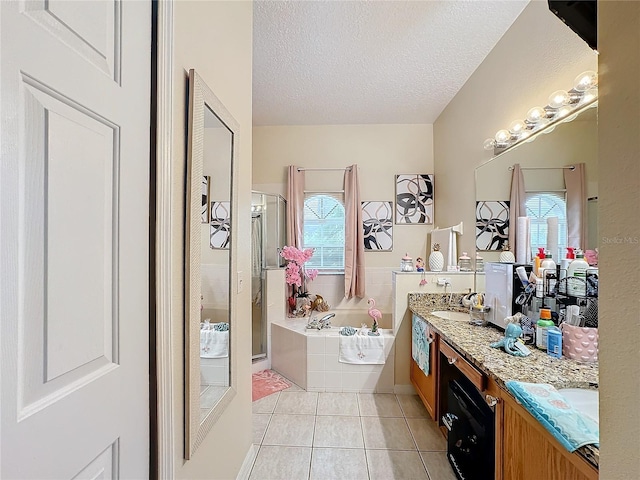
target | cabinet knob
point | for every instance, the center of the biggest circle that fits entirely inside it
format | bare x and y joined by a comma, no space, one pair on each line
491,400
452,360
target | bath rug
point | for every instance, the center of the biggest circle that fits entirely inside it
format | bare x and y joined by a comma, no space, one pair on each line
265,383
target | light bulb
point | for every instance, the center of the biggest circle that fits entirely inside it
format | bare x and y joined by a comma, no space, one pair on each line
535,115
558,99
589,95
502,136
489,144
517,127
585,81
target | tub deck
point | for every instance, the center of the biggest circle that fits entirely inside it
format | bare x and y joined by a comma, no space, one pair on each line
309,357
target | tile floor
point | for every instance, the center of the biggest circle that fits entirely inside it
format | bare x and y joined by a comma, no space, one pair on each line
347,436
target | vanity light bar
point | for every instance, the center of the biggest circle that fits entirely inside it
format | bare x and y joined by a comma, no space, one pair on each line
561,107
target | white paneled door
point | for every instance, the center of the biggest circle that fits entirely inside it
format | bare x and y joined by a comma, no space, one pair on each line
74,237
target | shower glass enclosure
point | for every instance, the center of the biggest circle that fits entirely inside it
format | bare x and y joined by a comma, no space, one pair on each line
268,236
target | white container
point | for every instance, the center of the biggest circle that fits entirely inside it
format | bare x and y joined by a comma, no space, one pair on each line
464,262
577,276
548,273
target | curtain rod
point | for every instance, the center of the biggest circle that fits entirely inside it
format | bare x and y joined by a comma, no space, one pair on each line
324,191
570,167
302,169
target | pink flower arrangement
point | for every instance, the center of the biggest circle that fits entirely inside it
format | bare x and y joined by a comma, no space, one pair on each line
295,273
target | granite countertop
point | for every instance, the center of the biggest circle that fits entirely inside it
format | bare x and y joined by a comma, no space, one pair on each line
472,342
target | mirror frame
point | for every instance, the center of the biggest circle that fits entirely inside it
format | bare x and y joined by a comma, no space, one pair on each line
201,97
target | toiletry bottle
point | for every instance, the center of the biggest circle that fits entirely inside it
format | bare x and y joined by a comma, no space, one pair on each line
542,327
554,342
537,260
564,266
577,276
548,273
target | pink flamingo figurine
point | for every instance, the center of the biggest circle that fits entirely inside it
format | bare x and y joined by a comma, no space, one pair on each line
375,314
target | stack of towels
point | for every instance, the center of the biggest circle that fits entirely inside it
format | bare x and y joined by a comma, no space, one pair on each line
214,340
359,348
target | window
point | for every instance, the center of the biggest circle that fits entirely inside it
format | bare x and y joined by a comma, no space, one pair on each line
324,231
540,206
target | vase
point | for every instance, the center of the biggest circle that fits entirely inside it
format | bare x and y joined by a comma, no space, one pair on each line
506,256
436,261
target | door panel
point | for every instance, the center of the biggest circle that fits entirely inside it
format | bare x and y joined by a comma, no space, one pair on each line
74,213
91,28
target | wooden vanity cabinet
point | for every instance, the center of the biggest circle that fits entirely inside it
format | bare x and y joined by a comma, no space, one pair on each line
524,450
427,385
529,452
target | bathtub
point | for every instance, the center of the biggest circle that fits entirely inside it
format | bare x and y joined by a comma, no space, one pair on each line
310,359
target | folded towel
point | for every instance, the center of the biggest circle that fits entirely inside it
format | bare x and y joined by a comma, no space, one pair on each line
362,349
348,331
420,343
572,429
214,344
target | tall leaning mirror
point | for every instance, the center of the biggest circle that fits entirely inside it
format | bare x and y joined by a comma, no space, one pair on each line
210,223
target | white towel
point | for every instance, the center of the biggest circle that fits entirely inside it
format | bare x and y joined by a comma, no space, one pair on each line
446,237
214,344
362,349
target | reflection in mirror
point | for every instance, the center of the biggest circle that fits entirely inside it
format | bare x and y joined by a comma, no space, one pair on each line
268,237
542,163
209,256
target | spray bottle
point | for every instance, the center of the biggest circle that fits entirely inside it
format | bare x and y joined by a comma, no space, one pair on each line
564,267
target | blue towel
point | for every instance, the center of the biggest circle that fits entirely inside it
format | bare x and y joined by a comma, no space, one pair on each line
221,327
420,343
552,410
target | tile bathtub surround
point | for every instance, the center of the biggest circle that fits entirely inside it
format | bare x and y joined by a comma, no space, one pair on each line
354,436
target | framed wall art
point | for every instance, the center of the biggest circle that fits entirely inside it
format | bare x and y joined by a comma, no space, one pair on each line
492,224
220,225
414,199
377,222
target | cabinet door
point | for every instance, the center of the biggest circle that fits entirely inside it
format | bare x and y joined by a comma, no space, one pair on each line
426,384
531,453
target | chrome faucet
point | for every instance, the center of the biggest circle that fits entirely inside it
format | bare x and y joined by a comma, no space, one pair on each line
324,322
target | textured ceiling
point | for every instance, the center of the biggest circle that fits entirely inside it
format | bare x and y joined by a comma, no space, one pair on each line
361,62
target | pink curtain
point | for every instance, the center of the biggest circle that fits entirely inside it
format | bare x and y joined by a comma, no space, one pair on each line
295,206
354,236
576,206
517,205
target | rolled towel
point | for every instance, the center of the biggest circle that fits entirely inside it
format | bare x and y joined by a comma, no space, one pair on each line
221,327
347,331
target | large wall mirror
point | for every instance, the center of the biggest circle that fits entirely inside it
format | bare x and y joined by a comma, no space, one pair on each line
209,258
542,161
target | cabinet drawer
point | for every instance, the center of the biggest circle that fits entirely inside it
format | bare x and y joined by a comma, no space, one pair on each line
478,378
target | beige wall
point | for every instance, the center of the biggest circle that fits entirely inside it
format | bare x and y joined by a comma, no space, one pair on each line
381,152
619,207
215,38
535,57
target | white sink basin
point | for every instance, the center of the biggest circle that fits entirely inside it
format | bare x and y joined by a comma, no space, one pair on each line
448,315
584,400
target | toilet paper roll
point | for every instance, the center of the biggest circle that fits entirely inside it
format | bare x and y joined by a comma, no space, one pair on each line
552,237
523,240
